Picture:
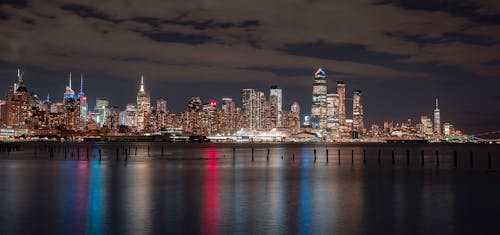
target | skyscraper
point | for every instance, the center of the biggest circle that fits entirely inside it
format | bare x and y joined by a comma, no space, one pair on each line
84,107
357,112
71,108
341,93
228,116
437,119
294,118
17,103
276,100
102,109
332,117
318,108
248,96
143,113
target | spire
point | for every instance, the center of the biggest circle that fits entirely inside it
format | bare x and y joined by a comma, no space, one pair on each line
81,83
142,84
48,98
19,75
70,80
437,106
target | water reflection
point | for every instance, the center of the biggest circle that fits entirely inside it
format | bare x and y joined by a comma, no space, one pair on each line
96,191
211,194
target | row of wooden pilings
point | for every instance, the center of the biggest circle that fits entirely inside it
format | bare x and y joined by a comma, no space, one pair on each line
379,157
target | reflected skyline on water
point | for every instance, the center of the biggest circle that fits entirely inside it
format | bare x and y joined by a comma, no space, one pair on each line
195,189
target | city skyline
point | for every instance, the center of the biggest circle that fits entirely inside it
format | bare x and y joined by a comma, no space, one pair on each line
200,49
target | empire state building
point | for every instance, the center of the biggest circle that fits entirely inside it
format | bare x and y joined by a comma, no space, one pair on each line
143,113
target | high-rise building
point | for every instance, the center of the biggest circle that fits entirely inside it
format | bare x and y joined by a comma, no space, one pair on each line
248,108
254,109
84,106
71,108
161,113
3,112
143,113
437,120
18,103
341,93
318,108
229,120
294,118
275,100
194,104
332,115
127,117
357,113
102,111
426,126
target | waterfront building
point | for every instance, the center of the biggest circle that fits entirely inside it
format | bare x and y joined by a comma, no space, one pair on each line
357,113
143,112
84,106
18,104
71,109
341,93
319,105
161,114
437,120
332,115
102,109
229,118
275,103
293,118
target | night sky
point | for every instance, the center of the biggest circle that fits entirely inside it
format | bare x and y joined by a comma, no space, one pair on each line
402,54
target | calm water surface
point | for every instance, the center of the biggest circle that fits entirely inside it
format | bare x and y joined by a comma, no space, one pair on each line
202,189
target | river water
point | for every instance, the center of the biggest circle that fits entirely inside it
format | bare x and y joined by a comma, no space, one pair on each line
207,188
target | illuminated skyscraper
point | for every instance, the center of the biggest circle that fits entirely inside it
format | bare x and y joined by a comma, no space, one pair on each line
143,113
17,103
341,93
332,117
161,113
71,108
248,108
437,120
84,107
276,100
229,120
318,108
294,118
102,111
357,113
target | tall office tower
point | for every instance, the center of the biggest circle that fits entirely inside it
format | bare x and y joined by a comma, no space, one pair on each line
261,108
228,122
161,113
341,93
3,112
18,103
294,118
426,126
71,108
127,117
84,106
275,101
318,108
437,120
357,112
143,113
194,104
102,111
248,97
332,115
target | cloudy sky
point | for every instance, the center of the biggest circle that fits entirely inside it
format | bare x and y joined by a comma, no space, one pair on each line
402,54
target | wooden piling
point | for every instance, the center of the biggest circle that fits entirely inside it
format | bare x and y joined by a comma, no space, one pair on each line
422,158
364,156
470,159
352,157
437,158
407,157
455,159
339,156
99,154
326,155
252,154
314,155
267,157
489,160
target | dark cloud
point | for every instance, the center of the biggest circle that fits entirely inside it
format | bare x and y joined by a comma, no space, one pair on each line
15,3
472,10
447,37
177,37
